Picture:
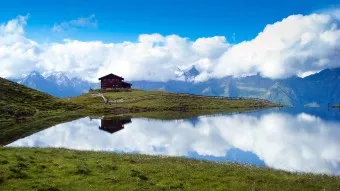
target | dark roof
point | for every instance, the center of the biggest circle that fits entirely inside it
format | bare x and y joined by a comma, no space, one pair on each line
111,76
114,125
126,83
112,129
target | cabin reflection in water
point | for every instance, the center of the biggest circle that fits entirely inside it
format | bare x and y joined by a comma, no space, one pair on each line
113,125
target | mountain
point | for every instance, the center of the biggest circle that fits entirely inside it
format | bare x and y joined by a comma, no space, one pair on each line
56,84
320,89
188,74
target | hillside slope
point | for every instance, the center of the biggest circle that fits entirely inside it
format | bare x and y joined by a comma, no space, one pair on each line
322,88
137,101
18,101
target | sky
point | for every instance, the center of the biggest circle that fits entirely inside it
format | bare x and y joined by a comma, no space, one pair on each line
152,39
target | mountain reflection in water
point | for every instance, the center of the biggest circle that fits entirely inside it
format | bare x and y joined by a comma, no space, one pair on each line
294,141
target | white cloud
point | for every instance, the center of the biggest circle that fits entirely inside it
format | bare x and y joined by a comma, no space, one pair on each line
89,21
14,26
212,47
297,45
17,53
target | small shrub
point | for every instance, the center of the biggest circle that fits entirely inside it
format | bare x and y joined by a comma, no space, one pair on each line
113,167
112,180
17,170
18,175
42,166
139,175
177,186
82,170
107,168
22,166
48,188
2,178
20,158
14,169
3,162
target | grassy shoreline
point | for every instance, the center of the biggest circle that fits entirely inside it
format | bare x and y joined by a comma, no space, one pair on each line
139,101
19,103
13,131
61,169
22,107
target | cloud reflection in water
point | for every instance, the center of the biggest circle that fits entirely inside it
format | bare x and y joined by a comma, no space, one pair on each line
300,142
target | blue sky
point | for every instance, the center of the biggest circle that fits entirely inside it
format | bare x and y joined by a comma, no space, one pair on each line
117,21
153,39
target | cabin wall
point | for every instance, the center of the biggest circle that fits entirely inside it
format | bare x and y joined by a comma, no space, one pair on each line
111,126
126,85
111,83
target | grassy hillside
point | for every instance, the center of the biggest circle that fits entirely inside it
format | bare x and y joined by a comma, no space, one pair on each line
18,102
60,169
39,110
145,101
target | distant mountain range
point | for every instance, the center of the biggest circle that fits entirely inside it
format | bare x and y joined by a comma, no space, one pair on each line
316,90
57,84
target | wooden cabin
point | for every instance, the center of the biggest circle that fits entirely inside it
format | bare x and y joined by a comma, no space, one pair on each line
112,81
113,125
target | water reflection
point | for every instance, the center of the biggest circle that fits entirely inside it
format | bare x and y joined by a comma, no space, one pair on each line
290,141
113,125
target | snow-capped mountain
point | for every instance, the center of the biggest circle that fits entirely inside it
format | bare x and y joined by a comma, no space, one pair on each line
187,74
319,89
59,78
57,84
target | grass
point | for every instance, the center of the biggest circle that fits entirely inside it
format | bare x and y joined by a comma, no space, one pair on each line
24,111
172,115
12,131
138,101
18,102
60,169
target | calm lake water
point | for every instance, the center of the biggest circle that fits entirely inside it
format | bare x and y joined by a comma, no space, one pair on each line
302,140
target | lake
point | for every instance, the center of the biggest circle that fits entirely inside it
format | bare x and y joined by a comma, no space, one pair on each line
292,139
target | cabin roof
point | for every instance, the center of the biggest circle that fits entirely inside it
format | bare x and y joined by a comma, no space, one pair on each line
126,83
111,76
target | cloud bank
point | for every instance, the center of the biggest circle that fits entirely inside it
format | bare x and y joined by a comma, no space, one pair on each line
297,45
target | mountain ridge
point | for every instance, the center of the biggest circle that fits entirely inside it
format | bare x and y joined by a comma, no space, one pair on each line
322,88
57,84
